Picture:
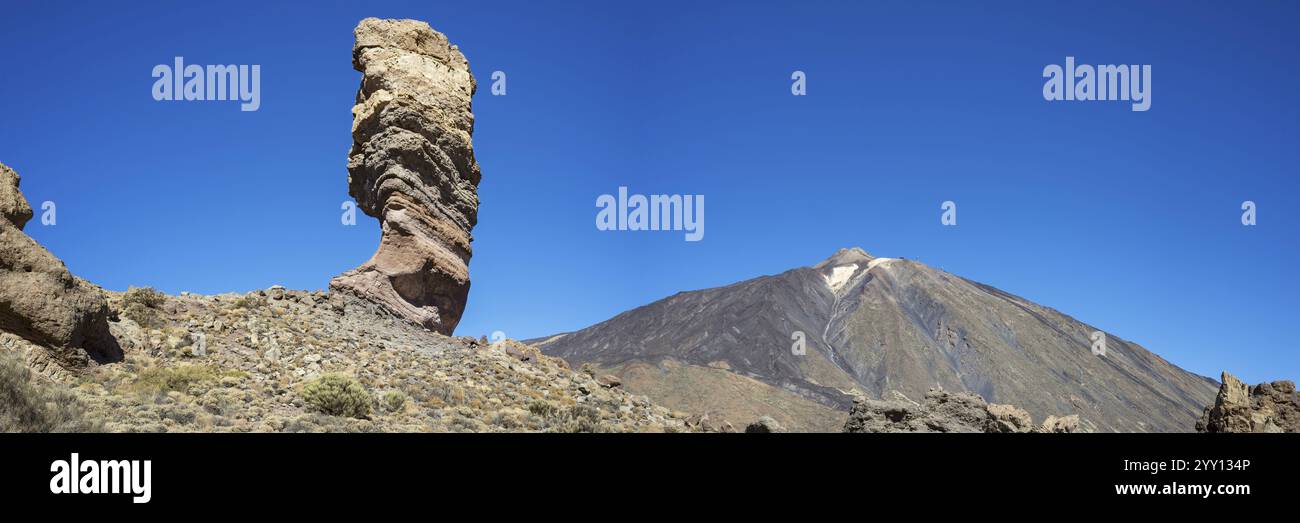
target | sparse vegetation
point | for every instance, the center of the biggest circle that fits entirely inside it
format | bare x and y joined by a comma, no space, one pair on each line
180,378
337,395
30,405
542,408
308,369
249,301
142,305
582,418
393,401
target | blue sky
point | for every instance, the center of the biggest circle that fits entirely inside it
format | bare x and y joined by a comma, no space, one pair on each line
1129,221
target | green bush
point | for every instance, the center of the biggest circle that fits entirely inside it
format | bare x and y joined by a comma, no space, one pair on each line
146,296
141,305
28,405
180,378
542,408
249,301
393,401
337,395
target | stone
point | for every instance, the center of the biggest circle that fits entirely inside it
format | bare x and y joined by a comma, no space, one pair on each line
764,425
13,206
1061,424
412,166
1011,419
1267,407
518,350
39,299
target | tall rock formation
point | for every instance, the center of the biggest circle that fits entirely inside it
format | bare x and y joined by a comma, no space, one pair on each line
412,166
39,299
1267,407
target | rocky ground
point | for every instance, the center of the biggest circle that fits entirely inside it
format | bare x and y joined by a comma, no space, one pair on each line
255,362
943,411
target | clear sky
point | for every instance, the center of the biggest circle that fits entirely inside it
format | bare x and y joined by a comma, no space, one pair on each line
1129,221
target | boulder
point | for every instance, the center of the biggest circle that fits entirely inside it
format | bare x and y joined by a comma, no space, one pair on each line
39,299
1061,424
412,166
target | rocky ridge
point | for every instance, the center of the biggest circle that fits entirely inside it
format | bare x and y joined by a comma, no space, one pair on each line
241,363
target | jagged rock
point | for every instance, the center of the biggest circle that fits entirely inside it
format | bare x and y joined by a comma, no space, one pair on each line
412,166
1267,407
1011,419
13,206
1061,424
39,299
764,425
949,412
522,352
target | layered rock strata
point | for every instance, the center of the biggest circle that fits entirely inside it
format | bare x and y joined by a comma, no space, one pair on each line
412,166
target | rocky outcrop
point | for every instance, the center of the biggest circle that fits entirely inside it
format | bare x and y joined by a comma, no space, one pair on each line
40,300
1267,407
412,166
948,412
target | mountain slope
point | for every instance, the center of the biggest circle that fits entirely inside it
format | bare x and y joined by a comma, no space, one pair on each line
874,325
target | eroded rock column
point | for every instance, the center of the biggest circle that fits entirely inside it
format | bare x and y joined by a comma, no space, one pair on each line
412,167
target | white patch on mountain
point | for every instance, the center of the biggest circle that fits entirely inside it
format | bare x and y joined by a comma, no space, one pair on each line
840,276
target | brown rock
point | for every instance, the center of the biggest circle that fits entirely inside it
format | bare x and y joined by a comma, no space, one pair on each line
13,207
412,166
1010,418
39,299
1061,424
520,351
1267,407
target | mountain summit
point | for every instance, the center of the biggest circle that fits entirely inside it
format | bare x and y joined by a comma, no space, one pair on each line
849,256
800,345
